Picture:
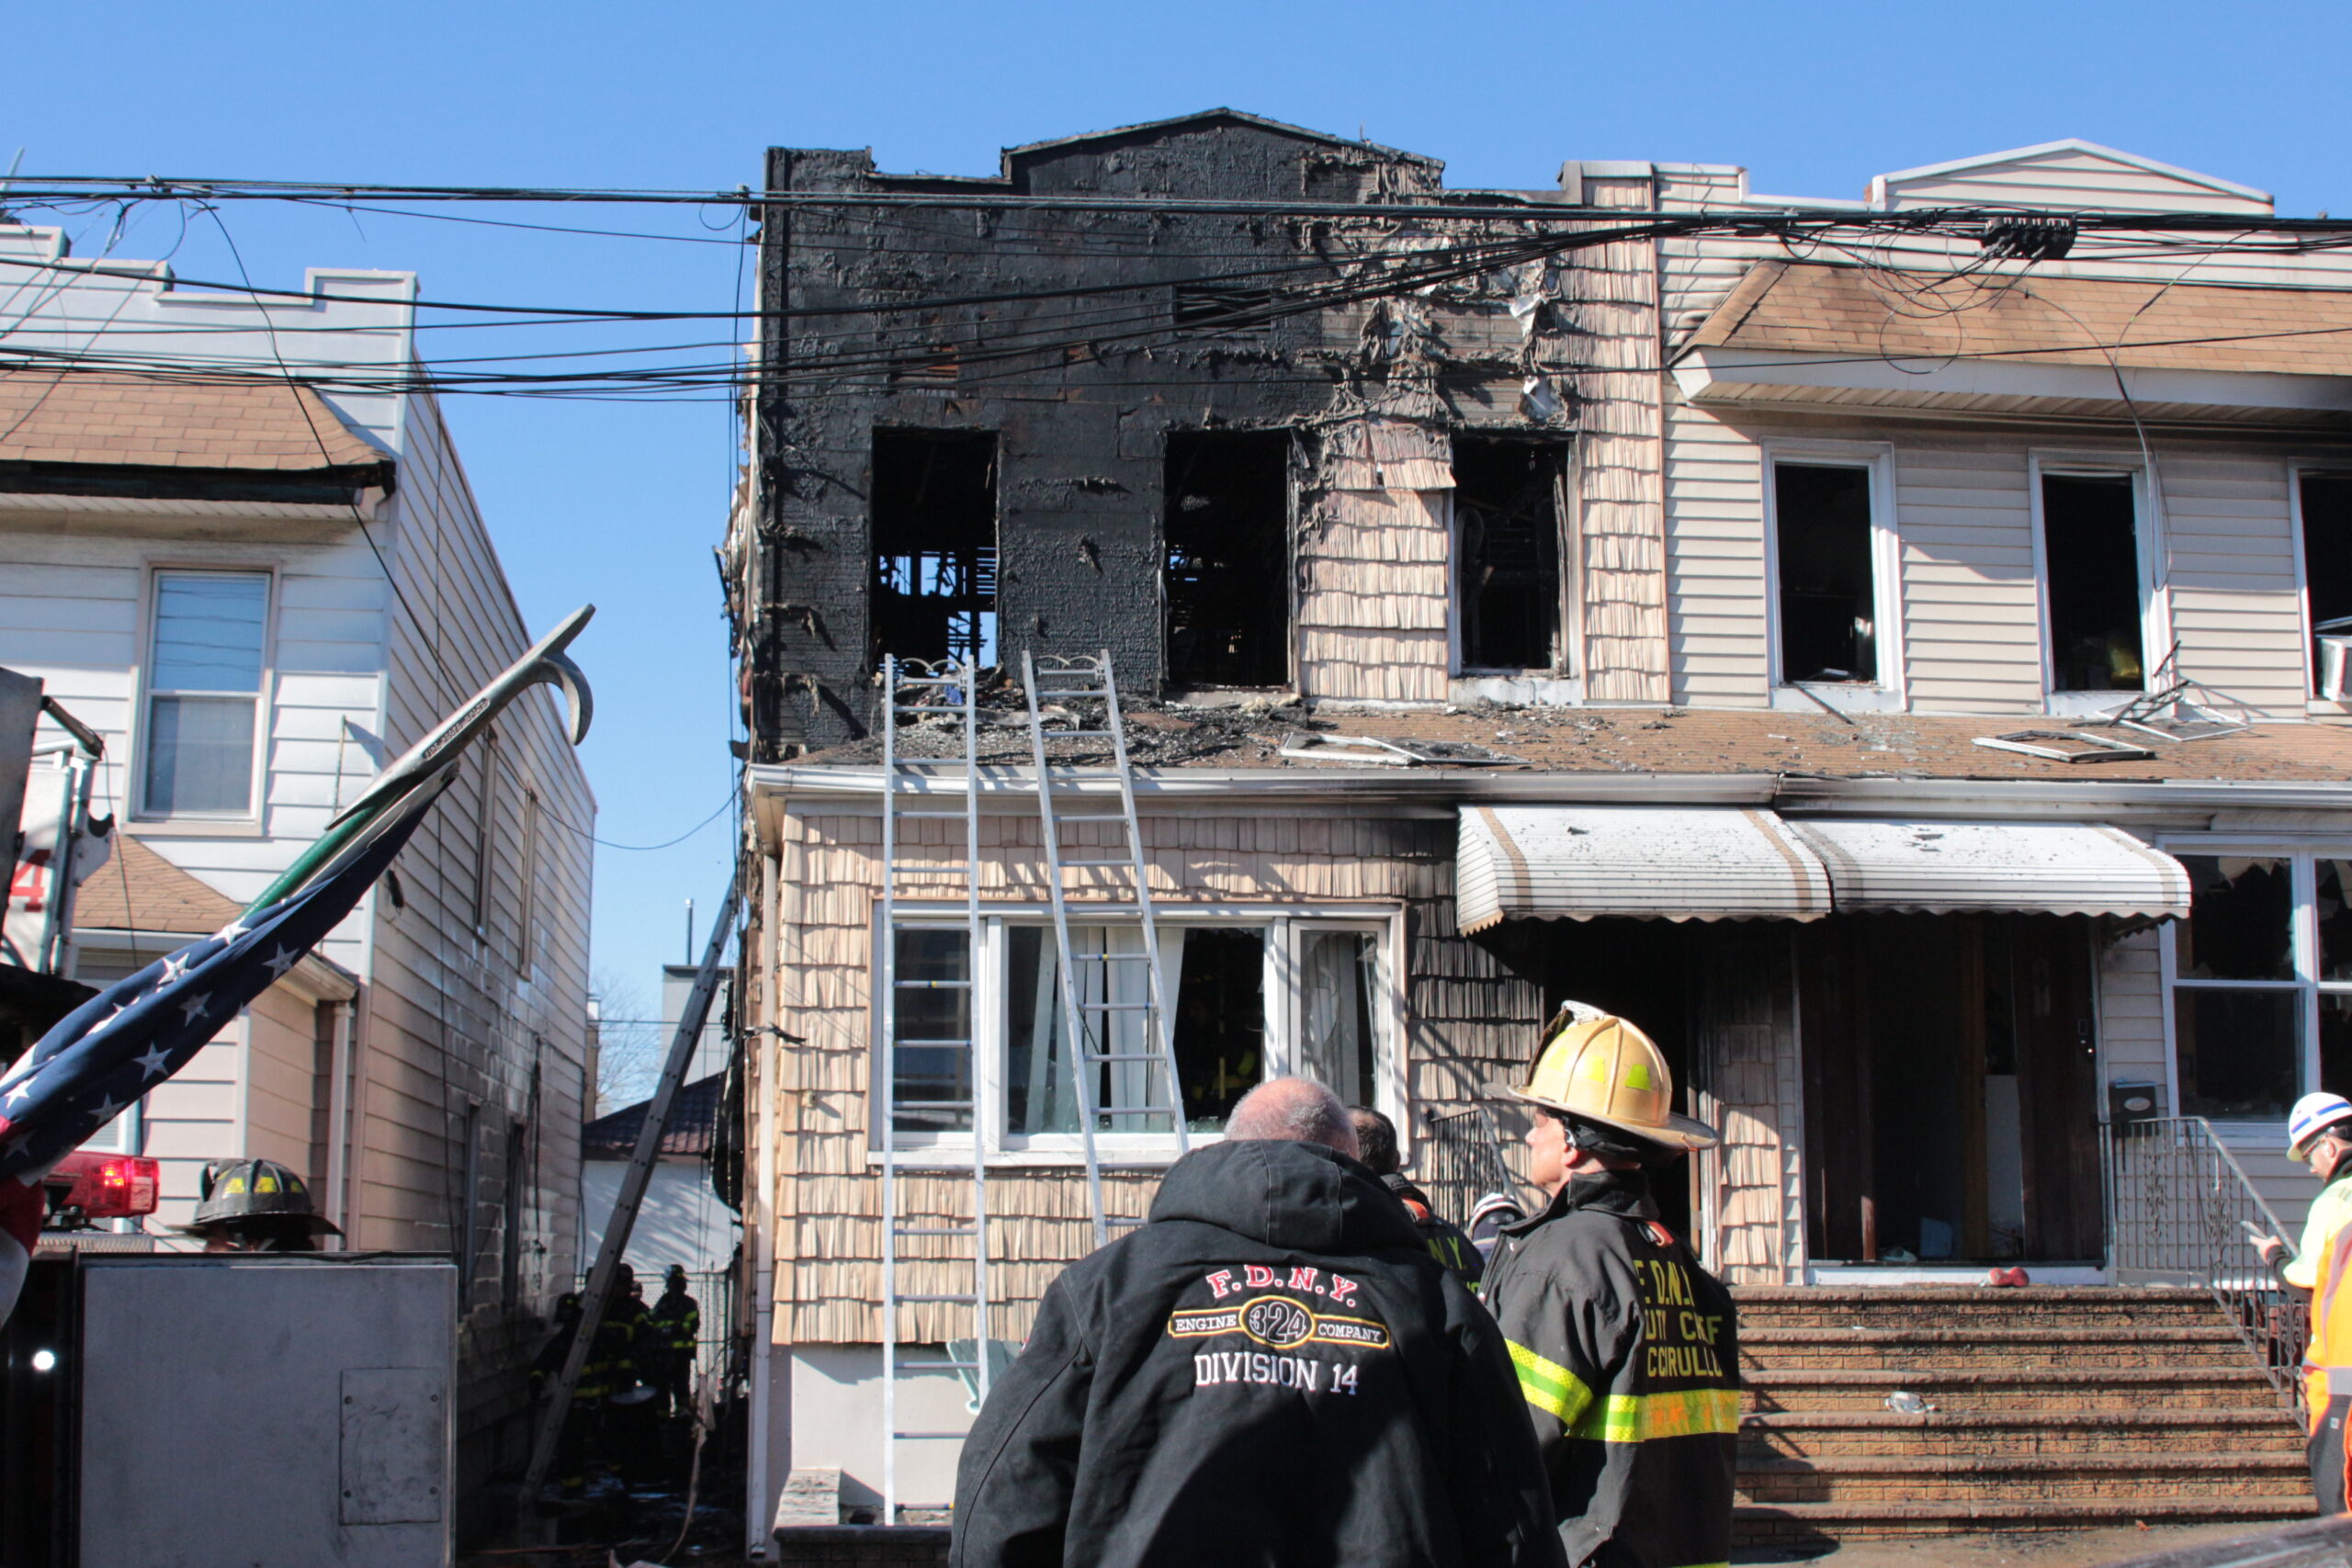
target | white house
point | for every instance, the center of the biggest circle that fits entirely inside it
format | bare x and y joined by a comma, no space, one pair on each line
258,592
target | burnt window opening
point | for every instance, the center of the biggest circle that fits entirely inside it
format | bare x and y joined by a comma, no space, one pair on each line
2327,567
1506,531
1227,565
1223,310
2090,541
934,585
1828,584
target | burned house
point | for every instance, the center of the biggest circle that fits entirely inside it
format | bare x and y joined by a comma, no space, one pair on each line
1902,684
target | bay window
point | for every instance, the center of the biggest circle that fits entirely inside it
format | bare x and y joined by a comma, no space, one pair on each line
984,1041
2261,981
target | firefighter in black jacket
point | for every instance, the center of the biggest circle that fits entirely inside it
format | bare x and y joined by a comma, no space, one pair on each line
1447,1242
1626,1349
1274,1371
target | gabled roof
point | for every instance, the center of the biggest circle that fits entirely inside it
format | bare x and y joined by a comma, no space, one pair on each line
2074,144
692,1124
85,418
1209,116
139,890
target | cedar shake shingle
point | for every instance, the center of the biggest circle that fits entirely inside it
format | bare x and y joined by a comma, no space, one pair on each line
73,417
1812,308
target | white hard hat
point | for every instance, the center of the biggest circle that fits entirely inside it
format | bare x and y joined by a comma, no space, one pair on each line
2313,1114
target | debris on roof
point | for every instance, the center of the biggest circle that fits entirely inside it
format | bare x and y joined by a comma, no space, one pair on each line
2064,746
1393,754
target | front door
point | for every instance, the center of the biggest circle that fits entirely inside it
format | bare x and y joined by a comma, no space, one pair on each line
1950,1089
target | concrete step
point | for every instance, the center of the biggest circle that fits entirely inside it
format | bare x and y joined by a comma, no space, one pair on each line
1802,1434
1925,1349
1795,1524
2065,1478
2003,1392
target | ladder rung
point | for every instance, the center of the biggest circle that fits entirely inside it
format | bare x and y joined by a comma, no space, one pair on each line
1116,1007
1077,734
1129,1220
938,1300
930,816
938,1366
1111,957
929,1043
1123,859
1065,816
933,984
1134,1110
930,1437
1123,1055
933,1230
908,867
934,708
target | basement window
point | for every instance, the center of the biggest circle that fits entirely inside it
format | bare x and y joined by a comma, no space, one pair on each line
1227,582
2090,542
934,585
2327,568
1828,589
1507,542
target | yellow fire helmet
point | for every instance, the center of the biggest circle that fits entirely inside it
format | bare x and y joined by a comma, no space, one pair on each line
1603,1069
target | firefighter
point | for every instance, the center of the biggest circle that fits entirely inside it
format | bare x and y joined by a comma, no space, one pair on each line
676,1318
571,1444
2319,1134
255,1205
1376,1137
1626,1349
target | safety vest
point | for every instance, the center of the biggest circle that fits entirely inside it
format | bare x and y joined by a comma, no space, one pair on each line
2328,1360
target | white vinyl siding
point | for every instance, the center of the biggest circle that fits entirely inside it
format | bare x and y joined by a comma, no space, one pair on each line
2065,178
2235,605
1715,550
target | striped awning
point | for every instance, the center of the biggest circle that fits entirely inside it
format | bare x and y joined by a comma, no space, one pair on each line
1582,862
2054,868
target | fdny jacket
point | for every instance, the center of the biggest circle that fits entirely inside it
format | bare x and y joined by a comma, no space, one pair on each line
1274,1371
1628,1358
1446,1241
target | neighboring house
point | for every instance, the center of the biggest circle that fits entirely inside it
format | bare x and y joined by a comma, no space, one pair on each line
1727,558
259,594
682,1220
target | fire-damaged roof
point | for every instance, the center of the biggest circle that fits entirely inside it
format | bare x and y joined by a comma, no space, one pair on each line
693,1123
1652,740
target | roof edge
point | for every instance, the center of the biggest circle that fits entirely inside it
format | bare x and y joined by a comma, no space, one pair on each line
2076,144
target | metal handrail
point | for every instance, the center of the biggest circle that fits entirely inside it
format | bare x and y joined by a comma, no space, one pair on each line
2182,1210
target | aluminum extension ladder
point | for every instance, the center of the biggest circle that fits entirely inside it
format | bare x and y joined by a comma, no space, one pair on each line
1087,1023
906,685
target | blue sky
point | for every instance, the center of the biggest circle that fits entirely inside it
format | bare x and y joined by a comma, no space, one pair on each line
621,503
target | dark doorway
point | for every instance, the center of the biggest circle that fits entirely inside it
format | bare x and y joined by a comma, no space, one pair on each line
934,583
1227,567
1506,532
1641,970
1828,590
2328,561
2091,558
1949,1088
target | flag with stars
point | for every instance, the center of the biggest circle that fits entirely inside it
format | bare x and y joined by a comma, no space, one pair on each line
137,1032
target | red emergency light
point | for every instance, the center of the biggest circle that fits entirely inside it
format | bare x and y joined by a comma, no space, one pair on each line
105,1187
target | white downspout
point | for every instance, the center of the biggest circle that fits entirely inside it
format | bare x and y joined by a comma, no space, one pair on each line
339,1121
759,1231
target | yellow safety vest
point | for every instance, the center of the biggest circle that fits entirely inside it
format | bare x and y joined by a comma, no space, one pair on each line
2328,1360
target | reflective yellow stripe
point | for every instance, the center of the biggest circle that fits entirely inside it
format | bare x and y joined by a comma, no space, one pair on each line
1549,1386
1641,1417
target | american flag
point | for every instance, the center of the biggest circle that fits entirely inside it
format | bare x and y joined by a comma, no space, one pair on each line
137,1032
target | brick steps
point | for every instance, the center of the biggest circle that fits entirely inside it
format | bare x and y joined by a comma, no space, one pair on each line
1884,1432
2055,1408
1987,1349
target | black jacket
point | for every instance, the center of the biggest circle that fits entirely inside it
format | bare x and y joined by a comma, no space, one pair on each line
1273,1371
1628,1357
1447,1242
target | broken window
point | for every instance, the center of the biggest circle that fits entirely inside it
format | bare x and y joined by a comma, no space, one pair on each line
1506,533
934,546
1227,577
931,1049
2237,1010
2327,573
2091,554
1829,587
1338,1011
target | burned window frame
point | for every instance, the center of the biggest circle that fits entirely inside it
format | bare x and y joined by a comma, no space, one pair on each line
879,592
1287,929
1287,676
2298,475
1890,680
2307,982
2155,633
1460,614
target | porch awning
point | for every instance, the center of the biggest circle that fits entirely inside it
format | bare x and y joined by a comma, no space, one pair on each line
2063,868
1582,862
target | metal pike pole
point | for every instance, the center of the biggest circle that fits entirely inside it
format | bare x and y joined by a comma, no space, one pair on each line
632,1193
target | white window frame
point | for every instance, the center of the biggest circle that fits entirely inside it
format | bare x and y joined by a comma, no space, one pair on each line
1568,648
2305,955
990,971
2297,469
145,689
1889,689
2148,540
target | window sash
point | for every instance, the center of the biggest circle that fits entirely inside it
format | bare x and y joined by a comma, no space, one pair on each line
1283,1000
207,668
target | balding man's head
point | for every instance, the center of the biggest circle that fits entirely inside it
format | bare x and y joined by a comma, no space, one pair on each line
1298,1109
